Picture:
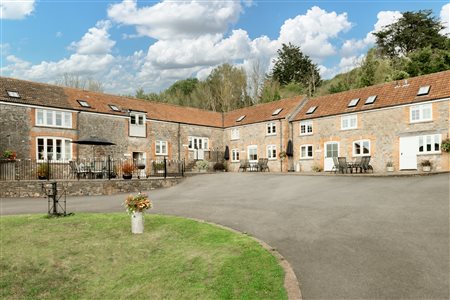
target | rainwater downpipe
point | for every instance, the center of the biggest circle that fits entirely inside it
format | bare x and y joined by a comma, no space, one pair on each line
281,143
78,135
179,142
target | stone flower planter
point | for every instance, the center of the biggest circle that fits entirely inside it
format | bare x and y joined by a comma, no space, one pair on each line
426,168
137,222
390,169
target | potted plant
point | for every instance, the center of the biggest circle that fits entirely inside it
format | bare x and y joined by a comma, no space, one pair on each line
158,167
446,145
282,155
43,171
426,165
316,168
389,166
8,154
136,206
127,170
202,165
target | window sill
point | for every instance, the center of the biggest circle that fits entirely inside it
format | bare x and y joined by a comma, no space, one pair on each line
272,159
306,158
429,153
420,122
53,126
271,134
162,154
346,129
306,134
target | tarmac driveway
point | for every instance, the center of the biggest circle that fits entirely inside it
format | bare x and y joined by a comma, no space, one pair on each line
345,237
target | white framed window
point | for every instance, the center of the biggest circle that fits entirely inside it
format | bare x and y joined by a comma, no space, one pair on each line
361,148
53,118
137,119
84,103
161,148
234,155
306,128
13,94
252,152
271,128
420,113
271,152
306,151
349,122
54,149
198,143
235,134
430,143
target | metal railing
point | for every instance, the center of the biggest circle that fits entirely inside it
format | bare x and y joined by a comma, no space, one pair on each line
103,168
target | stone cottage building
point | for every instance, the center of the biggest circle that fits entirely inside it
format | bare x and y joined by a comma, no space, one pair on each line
403,122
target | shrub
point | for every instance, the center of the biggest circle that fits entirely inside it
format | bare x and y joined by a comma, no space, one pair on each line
317,168
219,167
446,145
8,154
202,164
389,164
158,165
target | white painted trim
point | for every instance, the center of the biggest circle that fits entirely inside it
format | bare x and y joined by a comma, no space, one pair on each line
361,154
312,150
267,151
62,148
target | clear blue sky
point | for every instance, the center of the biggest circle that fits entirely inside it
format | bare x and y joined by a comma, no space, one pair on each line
132,44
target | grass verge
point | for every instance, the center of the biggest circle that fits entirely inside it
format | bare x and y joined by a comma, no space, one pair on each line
95,256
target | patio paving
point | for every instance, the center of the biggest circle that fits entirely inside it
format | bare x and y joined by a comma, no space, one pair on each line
346,237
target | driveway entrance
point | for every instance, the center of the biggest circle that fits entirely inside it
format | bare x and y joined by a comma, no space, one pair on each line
346,237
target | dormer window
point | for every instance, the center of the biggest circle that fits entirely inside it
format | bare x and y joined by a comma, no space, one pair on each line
311,110
240,118
423,90
371,99
277,111
83,103
353,102
13,94
113,107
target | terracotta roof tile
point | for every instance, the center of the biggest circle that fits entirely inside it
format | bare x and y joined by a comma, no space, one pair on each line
262,112
388,94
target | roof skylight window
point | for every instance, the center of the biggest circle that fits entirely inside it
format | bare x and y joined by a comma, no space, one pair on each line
13,94
83,103
423,90
113,107
371,99
240,118
277,111
353,102
311,110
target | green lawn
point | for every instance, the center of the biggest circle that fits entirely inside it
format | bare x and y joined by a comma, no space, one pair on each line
95,256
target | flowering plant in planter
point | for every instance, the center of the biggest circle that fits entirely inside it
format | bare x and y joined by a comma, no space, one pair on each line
282,155
8,154
446,145
137,203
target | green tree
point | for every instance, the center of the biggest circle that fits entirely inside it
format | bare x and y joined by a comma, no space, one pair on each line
270,91
428,60
368,69
292,65
228,86
413,31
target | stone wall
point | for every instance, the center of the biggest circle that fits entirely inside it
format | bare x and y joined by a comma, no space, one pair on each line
15,127
382,127
33,188
255,134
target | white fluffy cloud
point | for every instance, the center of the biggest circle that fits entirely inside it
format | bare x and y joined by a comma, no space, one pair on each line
91,57
16,9
174,20
314,31
384,18
445,19
96,41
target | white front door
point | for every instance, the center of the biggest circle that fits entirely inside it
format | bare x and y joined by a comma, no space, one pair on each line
408,152
331,150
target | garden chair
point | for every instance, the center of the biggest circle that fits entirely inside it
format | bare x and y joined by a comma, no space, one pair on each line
335,165
244,165
78,170
343,166
365,164
263,164
358,164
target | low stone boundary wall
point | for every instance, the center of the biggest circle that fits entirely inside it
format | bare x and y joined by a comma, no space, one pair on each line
33,188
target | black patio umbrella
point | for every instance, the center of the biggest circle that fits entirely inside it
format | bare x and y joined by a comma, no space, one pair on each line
226,155
290,149
94,141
